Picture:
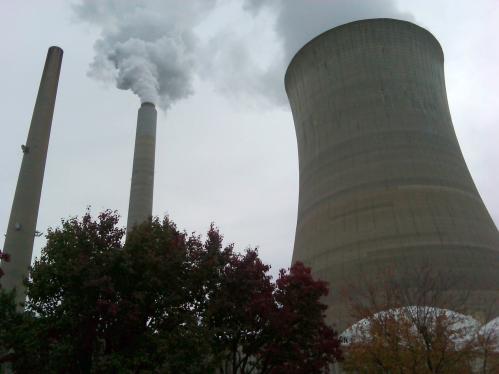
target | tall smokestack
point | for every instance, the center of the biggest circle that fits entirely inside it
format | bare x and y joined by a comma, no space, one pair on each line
23,216
382,178
141,192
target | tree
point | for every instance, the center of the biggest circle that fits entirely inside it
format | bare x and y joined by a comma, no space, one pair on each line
301,342
266,328
164,302
487,344
8,315
402,330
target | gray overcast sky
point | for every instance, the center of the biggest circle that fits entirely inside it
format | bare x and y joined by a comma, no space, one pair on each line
227,153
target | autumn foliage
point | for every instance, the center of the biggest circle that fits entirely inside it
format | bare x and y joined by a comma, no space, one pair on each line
401,329
164,302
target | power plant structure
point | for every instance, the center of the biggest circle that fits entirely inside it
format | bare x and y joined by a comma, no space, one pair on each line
142,187
22,222
383,181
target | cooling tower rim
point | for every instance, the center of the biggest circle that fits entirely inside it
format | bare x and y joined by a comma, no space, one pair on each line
147,103
307,45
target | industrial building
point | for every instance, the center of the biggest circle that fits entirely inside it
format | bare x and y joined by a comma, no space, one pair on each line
383,182
142,186
21,228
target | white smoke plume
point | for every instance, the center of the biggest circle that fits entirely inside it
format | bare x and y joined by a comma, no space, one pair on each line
147,46
299,21
155,49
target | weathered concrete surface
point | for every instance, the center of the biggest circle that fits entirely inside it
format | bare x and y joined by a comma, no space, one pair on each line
22,222
382,178
141,192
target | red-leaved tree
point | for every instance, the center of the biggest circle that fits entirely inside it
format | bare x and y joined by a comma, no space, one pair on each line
164,301
267,327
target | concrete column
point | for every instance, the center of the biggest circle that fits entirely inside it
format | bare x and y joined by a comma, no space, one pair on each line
141,192
22,222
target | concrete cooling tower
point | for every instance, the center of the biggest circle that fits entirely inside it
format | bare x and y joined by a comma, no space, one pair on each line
382,177
141,191
24,214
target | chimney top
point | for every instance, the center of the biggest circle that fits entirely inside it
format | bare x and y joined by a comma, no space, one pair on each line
55,48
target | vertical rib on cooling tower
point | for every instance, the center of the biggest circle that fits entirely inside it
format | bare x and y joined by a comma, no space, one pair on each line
23,216
382,177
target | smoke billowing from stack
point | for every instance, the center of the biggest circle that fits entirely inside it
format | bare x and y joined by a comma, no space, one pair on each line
141,191
22,222
157,49
383,182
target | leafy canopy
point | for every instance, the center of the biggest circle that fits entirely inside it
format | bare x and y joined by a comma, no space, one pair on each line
163,302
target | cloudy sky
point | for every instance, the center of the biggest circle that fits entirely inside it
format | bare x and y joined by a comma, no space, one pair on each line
226,148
